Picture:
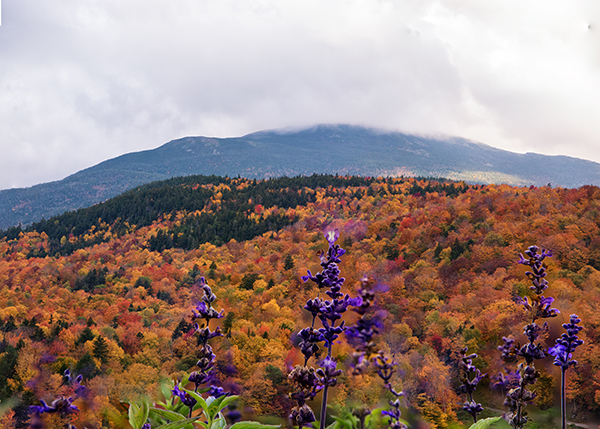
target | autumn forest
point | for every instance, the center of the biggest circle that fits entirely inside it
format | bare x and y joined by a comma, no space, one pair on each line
107,292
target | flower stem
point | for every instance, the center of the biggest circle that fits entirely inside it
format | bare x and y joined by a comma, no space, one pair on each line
323,415
563,398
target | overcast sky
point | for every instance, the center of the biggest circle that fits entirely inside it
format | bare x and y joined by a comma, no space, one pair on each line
82,81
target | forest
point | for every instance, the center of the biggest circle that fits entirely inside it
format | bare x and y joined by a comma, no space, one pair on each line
108,292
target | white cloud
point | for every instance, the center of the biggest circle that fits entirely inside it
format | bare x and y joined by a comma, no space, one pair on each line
85,80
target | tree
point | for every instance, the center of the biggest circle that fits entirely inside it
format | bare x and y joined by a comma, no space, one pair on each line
85,336
288,263
100,349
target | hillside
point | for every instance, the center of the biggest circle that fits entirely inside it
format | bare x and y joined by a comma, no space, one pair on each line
446,252
325,149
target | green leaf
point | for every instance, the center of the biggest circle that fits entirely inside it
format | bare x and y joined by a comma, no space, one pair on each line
252,425
485,423
166,414
219,423
341,422
180,424
201,402
138,414
216,405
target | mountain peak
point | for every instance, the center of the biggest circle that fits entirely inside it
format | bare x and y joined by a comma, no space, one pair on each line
324,148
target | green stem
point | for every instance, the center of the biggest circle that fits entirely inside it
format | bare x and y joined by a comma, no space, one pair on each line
323,415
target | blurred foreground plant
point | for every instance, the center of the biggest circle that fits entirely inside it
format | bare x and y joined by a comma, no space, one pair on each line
184,408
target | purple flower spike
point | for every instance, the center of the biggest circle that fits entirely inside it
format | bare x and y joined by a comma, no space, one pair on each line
328,372
567,343
470,378
187,399
303,416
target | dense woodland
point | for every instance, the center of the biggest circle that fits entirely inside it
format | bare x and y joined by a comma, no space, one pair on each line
107,292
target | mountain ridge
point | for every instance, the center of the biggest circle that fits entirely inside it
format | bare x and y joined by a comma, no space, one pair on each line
321,149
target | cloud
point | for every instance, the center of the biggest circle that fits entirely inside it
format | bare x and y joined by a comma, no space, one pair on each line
83,80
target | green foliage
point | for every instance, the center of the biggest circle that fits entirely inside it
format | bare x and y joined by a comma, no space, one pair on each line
248,281
487,423
8,364
87,367
85,336
274,374
144,282
170,415
252,425
288,263
138,414
91,280
100,349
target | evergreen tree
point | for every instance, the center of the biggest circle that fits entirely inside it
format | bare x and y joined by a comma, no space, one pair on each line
85,336
100,349
87,367
288,263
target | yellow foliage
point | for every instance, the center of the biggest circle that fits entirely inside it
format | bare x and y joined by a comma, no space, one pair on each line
150,340
136,381
26,363
5,313
270,310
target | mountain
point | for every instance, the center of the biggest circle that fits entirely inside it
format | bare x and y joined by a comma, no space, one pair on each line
342,149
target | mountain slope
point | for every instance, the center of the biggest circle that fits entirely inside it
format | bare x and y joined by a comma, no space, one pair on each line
339,149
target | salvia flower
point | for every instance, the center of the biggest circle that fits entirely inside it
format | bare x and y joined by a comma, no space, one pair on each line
385,369
328,372
206,362
471,377
204,311
309,346
305,382
563,352
329,312
233,415
302,415
540,307
60,405
186,399
567,343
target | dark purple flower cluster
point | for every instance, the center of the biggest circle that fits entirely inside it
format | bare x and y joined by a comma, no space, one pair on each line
204,310
471,376
540,307
306,380
187,399
206,362
305,386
